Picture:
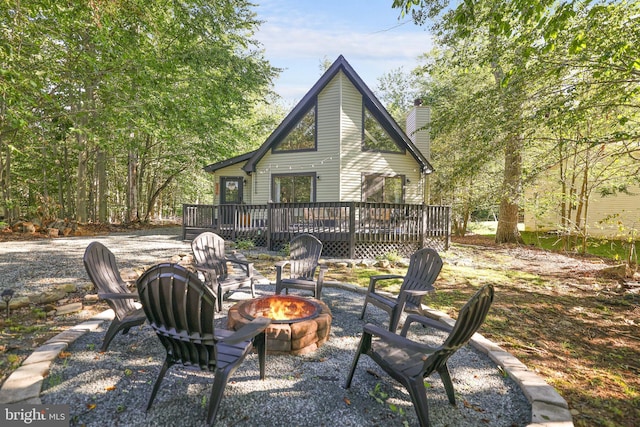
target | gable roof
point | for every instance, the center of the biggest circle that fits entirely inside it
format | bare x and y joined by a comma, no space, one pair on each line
371,102
232,161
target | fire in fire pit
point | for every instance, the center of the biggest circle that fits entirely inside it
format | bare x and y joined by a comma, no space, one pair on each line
280,308
299,325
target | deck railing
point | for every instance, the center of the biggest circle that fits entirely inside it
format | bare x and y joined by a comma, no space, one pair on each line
349,229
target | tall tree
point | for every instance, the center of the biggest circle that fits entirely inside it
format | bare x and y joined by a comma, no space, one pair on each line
95,81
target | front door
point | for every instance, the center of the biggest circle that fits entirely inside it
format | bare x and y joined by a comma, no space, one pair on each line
231,192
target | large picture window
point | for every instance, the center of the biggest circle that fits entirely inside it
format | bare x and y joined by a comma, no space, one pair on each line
375,138
378,188
302,136
298,188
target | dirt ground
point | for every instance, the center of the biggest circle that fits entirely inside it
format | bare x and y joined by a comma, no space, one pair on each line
558,314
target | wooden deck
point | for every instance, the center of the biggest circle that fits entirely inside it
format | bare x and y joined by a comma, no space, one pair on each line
347,229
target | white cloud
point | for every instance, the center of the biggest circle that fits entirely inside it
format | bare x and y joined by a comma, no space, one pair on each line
298,40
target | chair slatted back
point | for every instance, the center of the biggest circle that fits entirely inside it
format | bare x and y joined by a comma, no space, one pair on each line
470,318
180,309
304,253
424,268
208,251
100,264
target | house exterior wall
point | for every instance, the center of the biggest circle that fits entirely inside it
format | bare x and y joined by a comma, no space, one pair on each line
605,217
355,162
339,161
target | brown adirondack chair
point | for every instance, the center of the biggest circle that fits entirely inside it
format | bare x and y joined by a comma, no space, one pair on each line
210,258
304,256
424,268
101,267
181,308
410,362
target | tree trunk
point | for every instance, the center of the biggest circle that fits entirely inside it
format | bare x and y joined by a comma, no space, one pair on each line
507,231
81,190
102,186
132,196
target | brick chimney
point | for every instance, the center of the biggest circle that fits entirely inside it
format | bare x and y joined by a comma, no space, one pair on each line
419,117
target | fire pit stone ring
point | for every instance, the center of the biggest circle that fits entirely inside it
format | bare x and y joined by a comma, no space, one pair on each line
303,329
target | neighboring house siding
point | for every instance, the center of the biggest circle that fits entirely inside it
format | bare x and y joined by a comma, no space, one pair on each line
605,217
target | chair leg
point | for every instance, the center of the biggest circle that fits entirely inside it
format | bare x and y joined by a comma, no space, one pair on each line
364,308
219,383
448,385
363,347
416,389
253,289
113,330
260,343
167,364
394,319
220,298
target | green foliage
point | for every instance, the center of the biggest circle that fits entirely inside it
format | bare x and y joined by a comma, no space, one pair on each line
245,244
381,397
285,250
112,109
613,249
548,85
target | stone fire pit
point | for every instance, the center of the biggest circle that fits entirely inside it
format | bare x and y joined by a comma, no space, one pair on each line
299,325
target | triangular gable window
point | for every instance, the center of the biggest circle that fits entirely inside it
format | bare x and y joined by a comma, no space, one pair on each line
375,137
302,136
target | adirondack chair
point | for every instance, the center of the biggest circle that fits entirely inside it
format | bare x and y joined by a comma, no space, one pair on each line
209,255
181,309
424,268
410,362
303,262
101,267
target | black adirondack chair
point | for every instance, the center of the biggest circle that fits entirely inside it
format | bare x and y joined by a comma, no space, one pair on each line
304,256
409,362
181,308
101,267
424,268
210,258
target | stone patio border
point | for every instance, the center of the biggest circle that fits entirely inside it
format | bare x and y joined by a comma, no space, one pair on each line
548,408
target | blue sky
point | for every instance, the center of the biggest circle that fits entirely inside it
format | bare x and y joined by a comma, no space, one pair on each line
298,35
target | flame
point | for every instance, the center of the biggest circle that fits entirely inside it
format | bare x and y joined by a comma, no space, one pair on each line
284,308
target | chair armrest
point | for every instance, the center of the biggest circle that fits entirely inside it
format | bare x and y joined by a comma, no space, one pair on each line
279,268
374,279
109,295
248,331
411,293
321,272
424,321
248,265
281,264
396,340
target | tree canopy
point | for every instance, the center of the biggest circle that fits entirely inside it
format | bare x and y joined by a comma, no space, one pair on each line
528,78
105,105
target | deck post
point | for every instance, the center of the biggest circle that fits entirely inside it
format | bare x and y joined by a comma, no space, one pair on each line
425,225
269,224
352,230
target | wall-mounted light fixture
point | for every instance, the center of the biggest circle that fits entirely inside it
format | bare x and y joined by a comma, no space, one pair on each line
318,177
408,181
